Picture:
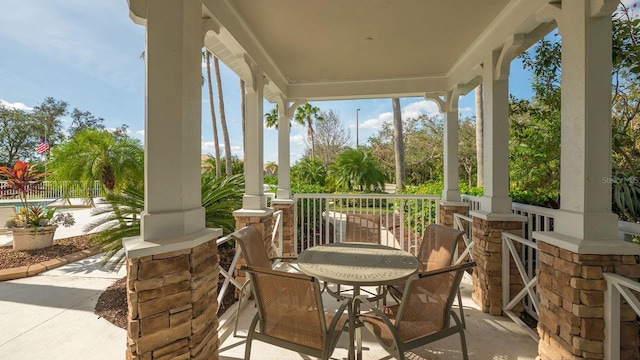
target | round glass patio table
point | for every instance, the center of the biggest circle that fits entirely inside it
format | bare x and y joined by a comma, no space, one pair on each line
357,264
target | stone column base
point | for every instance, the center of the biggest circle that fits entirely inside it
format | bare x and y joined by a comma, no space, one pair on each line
172,298
263,221
571,288
288,208
487,253
446,217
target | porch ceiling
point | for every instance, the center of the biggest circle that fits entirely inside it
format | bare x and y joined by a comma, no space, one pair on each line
333,49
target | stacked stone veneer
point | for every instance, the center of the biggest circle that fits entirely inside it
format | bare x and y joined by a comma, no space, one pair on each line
264,224
571,288
487,253
288,208
173,303
446,217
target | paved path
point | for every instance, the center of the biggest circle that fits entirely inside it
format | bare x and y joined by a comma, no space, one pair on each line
51,316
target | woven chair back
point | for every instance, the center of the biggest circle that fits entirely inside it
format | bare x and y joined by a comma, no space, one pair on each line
253,248
363,228
437,247
290,308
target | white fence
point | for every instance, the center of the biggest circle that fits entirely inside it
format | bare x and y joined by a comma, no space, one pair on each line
617,286
60,189
321,218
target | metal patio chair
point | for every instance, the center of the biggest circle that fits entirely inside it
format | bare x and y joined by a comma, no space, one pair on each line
256,256
363,228
423,315
436,252
291,314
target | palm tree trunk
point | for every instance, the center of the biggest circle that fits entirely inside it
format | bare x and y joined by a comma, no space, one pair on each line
479,136
313,142
213,115
223,119
399,144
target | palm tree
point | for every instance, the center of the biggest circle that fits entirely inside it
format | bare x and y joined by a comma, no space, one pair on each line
306,115
207,55
399,144
220,197
271,168
216,144
223,119
355,168
271,118
117,161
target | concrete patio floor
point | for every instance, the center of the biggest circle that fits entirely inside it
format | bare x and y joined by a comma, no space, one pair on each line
488,337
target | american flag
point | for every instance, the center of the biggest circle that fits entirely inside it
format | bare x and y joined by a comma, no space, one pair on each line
43,147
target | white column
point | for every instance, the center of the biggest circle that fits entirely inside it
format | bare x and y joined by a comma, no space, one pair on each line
254,198
284,150
173,120
451,192
585,211
496,138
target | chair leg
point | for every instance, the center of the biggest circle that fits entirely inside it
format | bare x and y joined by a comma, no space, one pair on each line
463,340
464,325
252,329
235,326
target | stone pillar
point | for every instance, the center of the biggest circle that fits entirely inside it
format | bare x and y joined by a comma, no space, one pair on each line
288,213
487,253
448,208
571,288
446,218
172,299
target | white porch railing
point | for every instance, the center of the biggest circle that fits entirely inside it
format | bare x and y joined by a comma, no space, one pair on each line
462,222
527,297
321,218
474,201
616,286
60,189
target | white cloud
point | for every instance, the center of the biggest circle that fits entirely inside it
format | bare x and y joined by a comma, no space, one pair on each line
16,105
422,107
411,110
297,139
140,132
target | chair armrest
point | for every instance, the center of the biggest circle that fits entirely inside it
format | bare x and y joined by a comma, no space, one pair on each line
363,300
336,317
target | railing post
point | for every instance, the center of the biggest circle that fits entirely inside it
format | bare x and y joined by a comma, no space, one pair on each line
611,322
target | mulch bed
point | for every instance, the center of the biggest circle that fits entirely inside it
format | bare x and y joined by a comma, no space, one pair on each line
12,259
112,303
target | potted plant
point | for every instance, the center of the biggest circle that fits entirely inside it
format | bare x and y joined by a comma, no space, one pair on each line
33,226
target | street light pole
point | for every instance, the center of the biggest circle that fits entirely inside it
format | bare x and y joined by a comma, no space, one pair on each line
357,111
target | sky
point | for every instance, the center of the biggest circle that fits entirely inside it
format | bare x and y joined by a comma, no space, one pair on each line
87,53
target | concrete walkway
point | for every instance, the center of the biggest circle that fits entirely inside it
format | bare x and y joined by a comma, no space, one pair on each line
51,315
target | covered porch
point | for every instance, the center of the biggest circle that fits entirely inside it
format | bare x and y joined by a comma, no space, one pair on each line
290,52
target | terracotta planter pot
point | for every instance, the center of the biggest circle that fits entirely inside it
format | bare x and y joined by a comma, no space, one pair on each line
32,238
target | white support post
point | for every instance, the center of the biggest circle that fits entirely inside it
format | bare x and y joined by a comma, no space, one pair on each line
173,120
585,208
451,192
284,150
254,198
496,198
612,322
